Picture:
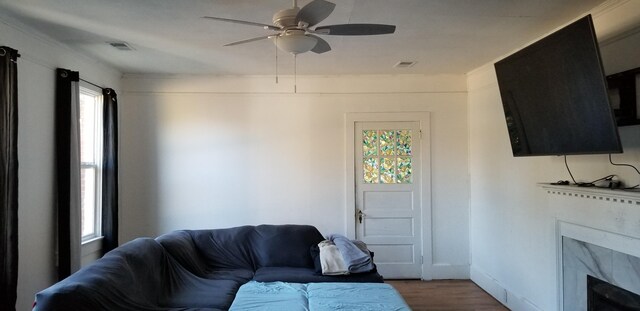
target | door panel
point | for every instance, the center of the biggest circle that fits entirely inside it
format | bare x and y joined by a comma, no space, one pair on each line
391,226
398,200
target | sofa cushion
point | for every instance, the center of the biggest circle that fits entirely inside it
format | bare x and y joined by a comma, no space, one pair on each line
201,293
250,247
238,275
180,246
226,248
285,245
139,275
308,275
130,276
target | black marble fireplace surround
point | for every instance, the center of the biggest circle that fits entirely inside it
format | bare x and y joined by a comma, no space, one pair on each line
604,296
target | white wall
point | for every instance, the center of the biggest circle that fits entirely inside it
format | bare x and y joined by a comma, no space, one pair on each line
211,152
36,84
512,230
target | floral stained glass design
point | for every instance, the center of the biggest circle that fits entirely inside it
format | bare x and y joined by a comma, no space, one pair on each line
371,170
387,142
404,143
403,174
387,171
369,143
387,156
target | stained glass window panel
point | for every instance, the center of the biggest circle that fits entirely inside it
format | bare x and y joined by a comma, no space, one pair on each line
403,175
404,143
387,156
387,142
369,143
387,170
371,170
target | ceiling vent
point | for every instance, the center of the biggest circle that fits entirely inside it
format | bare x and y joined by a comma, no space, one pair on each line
122,46
404,64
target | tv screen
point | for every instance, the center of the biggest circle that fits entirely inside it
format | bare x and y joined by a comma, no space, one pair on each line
555,98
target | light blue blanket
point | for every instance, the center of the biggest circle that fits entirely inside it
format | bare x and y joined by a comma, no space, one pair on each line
356,260
355,296
318,297
272,296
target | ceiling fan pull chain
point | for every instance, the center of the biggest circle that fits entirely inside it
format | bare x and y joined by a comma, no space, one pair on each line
295,73
276,60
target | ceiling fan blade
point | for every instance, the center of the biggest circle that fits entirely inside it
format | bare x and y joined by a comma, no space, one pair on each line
237,21
315,12
250,40
322,45
355,29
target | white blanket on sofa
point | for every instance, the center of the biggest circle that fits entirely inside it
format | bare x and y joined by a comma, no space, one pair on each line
331,260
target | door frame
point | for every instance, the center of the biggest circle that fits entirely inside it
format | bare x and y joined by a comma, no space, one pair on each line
423,117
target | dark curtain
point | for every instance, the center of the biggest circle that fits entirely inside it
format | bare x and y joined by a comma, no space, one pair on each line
110,172
8,177
68,171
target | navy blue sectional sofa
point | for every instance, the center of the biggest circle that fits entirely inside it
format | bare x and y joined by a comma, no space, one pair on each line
192,270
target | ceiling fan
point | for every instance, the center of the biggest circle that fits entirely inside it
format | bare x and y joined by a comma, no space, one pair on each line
295,35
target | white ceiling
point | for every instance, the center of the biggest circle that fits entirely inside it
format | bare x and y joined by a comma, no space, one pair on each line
169,36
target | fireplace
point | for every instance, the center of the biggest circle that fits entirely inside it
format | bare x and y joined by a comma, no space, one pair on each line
604,296
597,276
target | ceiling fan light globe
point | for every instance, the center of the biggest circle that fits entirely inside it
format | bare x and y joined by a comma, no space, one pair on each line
296,44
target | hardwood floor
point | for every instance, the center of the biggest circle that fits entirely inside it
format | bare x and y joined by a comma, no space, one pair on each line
445,295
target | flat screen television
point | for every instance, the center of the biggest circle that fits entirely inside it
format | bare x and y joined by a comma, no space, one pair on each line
555,98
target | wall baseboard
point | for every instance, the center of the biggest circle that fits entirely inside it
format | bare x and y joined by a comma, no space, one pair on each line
503,295
444,271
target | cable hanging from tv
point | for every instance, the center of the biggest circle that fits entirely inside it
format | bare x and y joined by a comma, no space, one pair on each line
627,165
611,180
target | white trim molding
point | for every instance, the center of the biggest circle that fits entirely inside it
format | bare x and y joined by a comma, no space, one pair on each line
500,292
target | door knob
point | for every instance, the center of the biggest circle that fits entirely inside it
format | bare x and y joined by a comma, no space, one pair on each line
360,215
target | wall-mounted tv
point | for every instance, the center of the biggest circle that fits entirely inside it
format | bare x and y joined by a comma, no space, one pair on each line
554,96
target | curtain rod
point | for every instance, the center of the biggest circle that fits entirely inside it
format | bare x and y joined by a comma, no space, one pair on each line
85,81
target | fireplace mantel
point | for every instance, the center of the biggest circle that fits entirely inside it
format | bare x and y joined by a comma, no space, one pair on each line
615,196
614,211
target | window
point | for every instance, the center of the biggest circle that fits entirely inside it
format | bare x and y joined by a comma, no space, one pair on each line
91,158
387,156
